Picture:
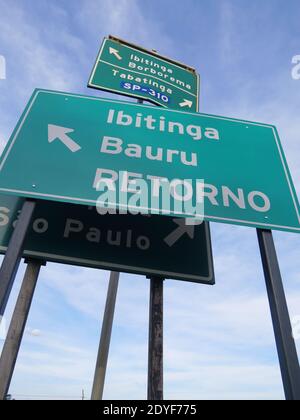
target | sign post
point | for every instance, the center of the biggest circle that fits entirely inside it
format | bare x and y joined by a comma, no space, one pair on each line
101,364
286,347
17,326
155,355
13,254
156,334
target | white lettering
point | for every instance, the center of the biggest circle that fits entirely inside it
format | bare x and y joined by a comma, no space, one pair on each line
266,202
107,181
239,200
73,226
40,225
111,145
296,68
4,219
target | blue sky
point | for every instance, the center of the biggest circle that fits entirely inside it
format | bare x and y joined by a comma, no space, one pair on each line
218,340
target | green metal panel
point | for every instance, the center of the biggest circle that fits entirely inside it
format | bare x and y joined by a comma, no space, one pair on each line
132,71
78,235
242,168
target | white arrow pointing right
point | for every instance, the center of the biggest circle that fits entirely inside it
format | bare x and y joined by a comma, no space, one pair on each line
115,53
181,230
56,132
185,103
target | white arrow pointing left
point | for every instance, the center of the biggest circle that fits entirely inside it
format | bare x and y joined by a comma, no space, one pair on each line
181,230
185,103
56,132
115,53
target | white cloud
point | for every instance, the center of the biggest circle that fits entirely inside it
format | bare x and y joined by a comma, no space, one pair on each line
125,19
42,64
239,382
33,332
228,40
34,60
82,288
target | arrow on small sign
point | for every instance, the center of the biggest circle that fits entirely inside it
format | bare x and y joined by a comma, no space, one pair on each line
180,231
185,103
115,53
55,132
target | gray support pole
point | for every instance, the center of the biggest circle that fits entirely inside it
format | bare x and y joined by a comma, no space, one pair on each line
155,351
286,347
13,254
16,329
101,364
155,357
100,370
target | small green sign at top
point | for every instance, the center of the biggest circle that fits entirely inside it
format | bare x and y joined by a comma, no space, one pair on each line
132,71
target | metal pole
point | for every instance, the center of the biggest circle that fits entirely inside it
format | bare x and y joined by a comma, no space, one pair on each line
16,329
101,364
100,370
155,356
155,344
286,347
13,254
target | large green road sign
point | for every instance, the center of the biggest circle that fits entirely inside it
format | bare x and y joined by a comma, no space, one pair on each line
78,235
133,71
65,144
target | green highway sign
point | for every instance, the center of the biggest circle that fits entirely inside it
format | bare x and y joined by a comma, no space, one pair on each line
139,158
133,71
78,235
